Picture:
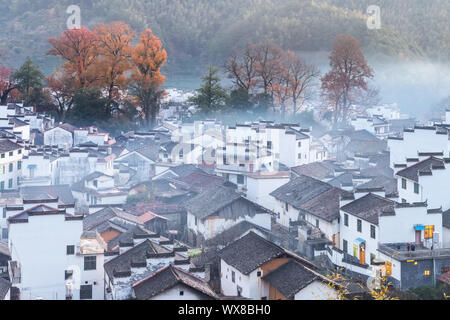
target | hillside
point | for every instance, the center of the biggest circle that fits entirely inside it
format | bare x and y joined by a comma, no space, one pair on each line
196,32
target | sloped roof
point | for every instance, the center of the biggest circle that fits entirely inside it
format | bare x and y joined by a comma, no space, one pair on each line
316,170
369,207
325,205
8,145
62,192
93,220
389,185
250,252
35,211
300,190
423,167
167,278
212,200
290,278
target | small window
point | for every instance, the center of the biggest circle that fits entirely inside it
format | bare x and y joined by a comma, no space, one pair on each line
11,167
240,179
299,144
85,292
4,213
427,273
359,225
345,219
269,145
403,183
70,250
345,246
3,156
286,206
90,263
181,293
299,156
258,274
19,151
233,276
11,153
416,188
19,165
10,183
372,232
5,233
95,183
68,274
317,223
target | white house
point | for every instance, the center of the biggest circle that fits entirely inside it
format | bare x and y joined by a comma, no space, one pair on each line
61,263
10,164
257,269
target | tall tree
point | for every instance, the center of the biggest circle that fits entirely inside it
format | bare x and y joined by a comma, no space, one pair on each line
114,50
211,96
30,82
61,88
7,85
78,48
346,82
147,58
241,68
300,78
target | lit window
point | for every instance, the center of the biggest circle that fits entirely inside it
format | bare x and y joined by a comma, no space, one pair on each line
427,272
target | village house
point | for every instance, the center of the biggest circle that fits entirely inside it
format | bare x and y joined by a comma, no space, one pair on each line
10,164
218,209
64,263
141,255
255,268
173,283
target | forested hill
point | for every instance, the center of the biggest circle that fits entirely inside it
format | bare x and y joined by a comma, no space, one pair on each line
199,31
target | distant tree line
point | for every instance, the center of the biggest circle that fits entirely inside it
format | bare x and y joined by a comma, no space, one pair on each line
267,78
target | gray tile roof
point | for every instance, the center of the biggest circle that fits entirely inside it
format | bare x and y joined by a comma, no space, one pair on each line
290,278
167,278
446,219
316,170
423,167
369,207
93,220
389,185
325,205
138,254
62,192
214,201
250,252
300,191
8,145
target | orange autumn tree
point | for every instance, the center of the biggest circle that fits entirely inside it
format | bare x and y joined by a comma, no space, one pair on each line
114,49
147,59
78,48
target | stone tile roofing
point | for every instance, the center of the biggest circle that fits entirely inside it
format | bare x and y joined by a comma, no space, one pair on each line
300,191
316,170
290,278
93,220
130,235
62,192
423,167
218,198
167,278
8,145
325,205
388,184
369,207
250,252
137,254
446,219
